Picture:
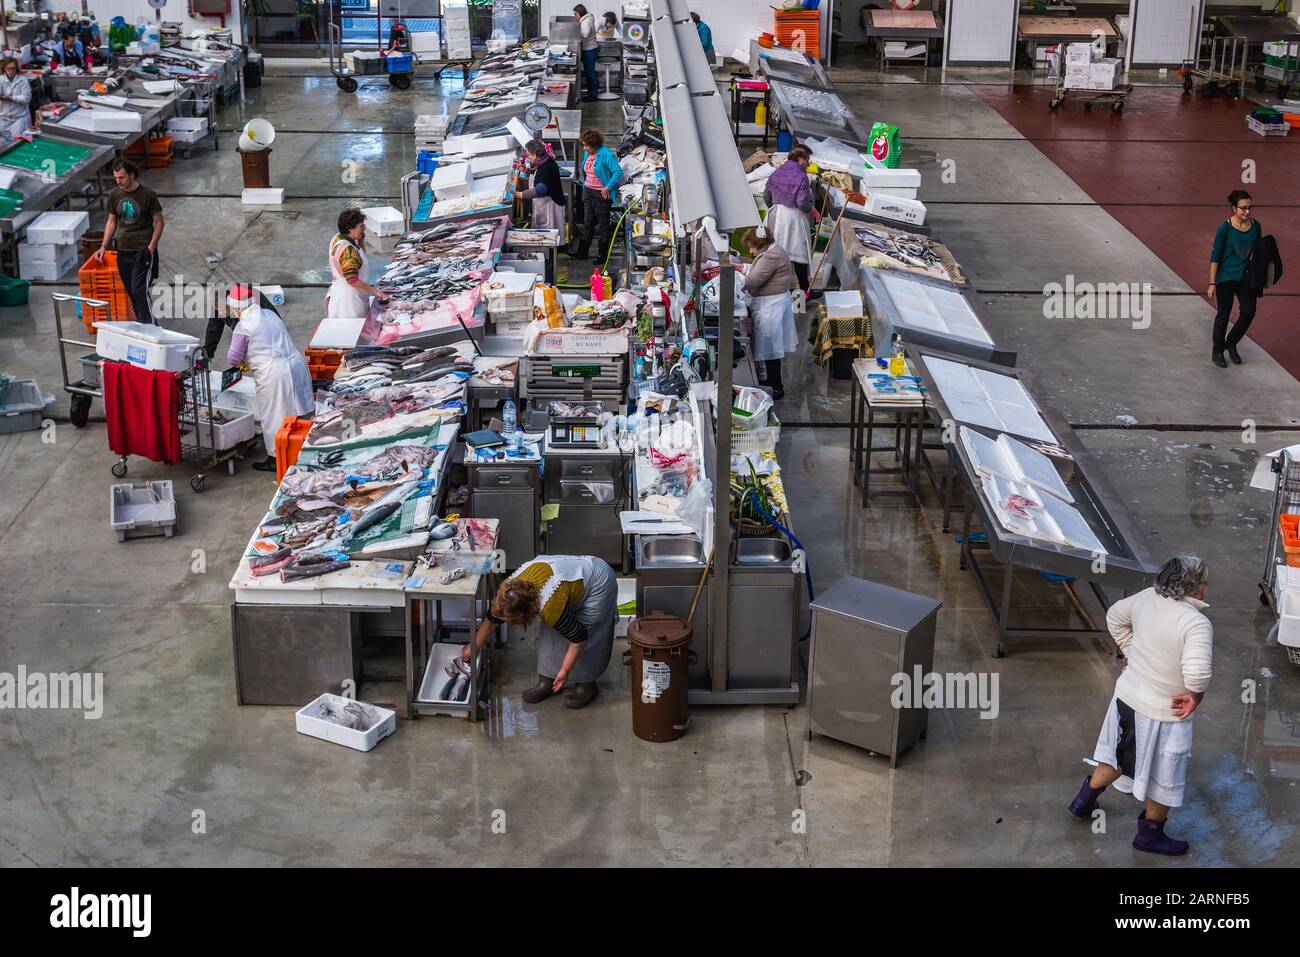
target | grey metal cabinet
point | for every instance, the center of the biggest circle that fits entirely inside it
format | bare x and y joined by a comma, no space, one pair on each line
863,634
509,493
590,489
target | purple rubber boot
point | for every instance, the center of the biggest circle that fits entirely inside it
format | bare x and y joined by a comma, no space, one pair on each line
1085,802
1151,837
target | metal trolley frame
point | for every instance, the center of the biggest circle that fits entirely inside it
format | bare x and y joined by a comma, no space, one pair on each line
1286,499
345,78
195,418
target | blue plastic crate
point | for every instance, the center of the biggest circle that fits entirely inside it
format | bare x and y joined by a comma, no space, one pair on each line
399,63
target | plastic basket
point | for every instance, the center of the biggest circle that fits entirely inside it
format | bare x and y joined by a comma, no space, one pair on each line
99,279
399,63
288,443
13,291
761,440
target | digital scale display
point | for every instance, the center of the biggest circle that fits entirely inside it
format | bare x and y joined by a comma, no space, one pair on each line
565,434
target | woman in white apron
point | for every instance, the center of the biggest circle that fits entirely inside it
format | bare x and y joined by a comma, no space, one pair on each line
574,599
349,293
789,199
15,95
279,370
768,282
547,191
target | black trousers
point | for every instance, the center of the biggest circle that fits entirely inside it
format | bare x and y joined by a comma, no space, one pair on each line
801,274
138,267
773,369
595,222
1224,293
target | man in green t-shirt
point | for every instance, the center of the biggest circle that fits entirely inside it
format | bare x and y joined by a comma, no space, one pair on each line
135,220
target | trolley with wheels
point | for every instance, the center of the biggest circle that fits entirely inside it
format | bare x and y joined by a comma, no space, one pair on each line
1219,63
398,63
82,390
1113,98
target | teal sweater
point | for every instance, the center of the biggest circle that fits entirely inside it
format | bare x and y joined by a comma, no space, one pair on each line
1231,250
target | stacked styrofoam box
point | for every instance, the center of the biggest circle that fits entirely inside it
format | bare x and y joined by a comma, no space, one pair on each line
430,131
1078,65
450,181
892,182
187,129
384,220
1103,73
509,298
427,46
1278,48
455,32
50,248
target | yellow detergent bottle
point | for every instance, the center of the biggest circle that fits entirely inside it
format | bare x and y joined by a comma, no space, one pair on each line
609,286
897,362
760,114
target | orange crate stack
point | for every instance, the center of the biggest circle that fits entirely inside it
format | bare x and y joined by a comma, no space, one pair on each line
1290,526
323,363
100,280
800,29
154,151
288,443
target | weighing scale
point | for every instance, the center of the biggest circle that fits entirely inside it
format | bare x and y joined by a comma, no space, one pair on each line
574,425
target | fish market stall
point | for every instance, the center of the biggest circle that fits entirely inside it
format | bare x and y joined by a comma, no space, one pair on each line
119,117
1040,499
858,245
931,312
49,171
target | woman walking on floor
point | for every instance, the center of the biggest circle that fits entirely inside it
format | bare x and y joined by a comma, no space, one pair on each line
1229,256
1146,737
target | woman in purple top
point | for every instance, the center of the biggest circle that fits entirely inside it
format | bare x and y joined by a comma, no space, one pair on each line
789,199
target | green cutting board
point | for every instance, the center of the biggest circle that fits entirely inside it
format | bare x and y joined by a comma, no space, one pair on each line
10,201
34,156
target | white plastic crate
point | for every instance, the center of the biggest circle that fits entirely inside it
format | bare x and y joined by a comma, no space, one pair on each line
58,229
147,346
384,220
1267,129
149,508
45,262
760,440
1288,624
309,720
223,435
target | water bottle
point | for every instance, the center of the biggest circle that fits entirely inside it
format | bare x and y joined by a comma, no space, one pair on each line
511,417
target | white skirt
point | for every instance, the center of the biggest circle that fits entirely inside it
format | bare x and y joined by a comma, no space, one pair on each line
789,227
1152,755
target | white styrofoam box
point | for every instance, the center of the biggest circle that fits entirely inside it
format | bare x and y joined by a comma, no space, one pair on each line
46,272
459,52
1288,621
144,345
142,48
384,220
274,293
46,254
1075,81
844,304
273,196
492,164
1110,66
115,121
473,145
240,397
873,178
58,229
525,262
896,208
1079,52
308,721
905,193
186,136
425,42
337,334
450,180
187,123
226,435
1095,84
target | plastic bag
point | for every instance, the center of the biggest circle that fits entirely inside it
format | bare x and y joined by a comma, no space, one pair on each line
695,509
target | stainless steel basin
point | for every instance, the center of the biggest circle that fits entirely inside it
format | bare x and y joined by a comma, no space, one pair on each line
663,550
763,551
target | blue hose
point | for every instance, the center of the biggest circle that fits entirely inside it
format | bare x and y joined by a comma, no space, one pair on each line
750,494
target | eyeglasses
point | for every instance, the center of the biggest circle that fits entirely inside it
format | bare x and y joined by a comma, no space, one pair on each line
1245,209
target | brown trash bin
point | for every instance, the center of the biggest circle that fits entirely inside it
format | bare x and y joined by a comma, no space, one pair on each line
659,654
89,244
257,168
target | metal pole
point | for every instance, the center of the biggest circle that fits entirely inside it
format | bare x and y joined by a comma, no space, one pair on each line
722,474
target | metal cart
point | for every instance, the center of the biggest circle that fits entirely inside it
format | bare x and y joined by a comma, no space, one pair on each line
1220,63
1115,97
1286,500
346,78
196,418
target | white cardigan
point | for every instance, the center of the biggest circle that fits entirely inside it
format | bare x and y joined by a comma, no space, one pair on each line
1169,645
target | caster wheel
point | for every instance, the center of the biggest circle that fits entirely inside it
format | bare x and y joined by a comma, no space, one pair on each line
1054,104
1233,90
1210,88
347,84
1088,106
119,468
79,411
196,483
400,81
1117,106
1187,86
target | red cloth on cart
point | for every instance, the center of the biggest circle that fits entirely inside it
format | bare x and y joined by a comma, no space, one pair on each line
142,407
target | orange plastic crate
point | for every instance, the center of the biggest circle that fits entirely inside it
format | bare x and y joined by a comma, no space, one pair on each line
801,29
288,443
100,280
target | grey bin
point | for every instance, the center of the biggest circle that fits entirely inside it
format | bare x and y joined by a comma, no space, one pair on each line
22,406
863,634
145,509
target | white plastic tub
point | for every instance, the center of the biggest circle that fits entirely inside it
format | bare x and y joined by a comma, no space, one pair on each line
309,721
384,220
147,346
225,435
58,229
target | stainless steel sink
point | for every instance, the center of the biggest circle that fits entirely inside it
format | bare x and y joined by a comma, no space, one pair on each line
763,551
663,550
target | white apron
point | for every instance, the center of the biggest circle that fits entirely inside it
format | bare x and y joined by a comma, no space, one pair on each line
548,214
790,229
279,371
774,332
344,300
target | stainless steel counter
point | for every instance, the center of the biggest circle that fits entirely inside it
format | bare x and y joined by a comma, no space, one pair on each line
39,195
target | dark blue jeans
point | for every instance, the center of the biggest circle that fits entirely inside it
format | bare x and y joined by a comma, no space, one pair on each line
589,70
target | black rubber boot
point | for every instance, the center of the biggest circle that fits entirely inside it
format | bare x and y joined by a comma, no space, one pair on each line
1085,802
580,695
266,465
541,691
1151,837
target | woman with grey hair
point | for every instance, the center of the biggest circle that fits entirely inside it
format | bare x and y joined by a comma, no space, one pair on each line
1146,738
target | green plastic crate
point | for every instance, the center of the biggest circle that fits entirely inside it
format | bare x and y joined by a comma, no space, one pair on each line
13,291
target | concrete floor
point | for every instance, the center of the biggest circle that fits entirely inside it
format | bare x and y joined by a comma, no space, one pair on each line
577,787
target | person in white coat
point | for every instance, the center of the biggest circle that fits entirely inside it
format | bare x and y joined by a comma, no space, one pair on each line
1146,737
15,95
349,293
768,281
279,370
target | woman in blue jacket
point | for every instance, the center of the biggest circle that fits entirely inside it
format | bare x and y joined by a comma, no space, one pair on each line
706,38
599,172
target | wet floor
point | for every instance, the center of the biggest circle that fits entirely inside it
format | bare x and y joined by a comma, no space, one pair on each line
175,773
